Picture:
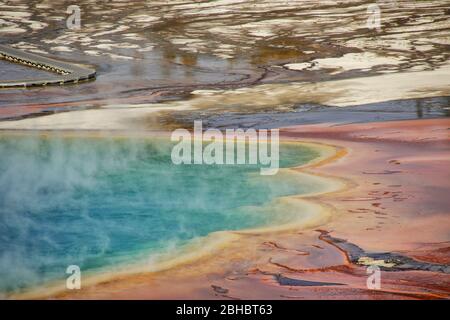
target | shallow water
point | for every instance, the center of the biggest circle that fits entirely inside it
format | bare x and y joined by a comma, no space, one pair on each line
146,51
99,202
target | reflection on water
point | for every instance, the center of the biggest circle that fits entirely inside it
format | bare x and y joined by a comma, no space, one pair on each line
147,50
311,113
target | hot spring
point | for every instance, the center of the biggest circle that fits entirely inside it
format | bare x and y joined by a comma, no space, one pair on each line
98,202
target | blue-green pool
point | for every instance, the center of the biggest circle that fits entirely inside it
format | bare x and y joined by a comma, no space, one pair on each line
97,202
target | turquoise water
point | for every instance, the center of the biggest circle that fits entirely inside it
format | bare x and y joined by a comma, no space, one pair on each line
98,202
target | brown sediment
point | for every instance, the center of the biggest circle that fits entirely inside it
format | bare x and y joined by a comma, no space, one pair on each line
411,247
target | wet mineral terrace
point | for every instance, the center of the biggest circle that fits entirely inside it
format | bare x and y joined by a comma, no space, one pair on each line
146,51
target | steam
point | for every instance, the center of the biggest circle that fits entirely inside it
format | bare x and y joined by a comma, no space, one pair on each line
98,202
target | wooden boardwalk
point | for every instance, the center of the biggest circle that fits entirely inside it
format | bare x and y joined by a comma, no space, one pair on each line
59,73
